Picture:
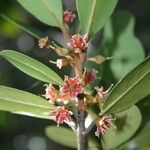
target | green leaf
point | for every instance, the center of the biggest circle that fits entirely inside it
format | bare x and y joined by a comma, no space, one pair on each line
93,14
67,137
30,30
47,11
62,136
127,123
121,43
132,88
24,103
141,142
31,67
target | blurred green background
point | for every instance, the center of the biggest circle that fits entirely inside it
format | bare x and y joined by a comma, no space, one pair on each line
26,133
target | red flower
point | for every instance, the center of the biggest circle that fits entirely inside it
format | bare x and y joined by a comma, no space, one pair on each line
89,77
61,115
79,43
68,16
72,87
51,93
103,124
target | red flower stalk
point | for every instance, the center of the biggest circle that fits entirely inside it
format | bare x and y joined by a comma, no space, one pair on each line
61,115
103,124
79,43
68,16
72,87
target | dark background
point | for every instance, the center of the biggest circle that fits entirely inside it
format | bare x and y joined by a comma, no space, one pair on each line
26,133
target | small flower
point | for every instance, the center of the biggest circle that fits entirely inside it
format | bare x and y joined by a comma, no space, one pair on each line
51,93
61,115
43,43
72,86
89,77
103,124
79,43
101,94
61,62
68,16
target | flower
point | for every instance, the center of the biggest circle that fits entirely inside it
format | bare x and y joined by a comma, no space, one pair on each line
61,115
72,87
79,43
59,63
68,16
51,93
43,43
89,77
103,124
101,94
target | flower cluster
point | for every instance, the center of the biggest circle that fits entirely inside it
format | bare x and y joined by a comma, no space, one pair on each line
72,94
104,124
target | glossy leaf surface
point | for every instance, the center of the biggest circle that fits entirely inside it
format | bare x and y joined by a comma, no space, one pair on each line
47,11
93,14
132,88
31,67
24,103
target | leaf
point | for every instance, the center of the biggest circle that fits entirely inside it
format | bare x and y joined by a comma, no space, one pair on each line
47,11
121,43
24,103
30,30
132,88
93,14
127,123
31,67
67,137
62,136
141,142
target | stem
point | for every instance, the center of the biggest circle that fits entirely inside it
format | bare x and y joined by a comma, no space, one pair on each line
81,114
65,32
81,138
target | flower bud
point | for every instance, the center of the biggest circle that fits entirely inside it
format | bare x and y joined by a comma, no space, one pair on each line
68,16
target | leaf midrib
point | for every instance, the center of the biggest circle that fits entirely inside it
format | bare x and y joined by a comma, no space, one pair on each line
122,95
53,14
91,17
20,102
28,66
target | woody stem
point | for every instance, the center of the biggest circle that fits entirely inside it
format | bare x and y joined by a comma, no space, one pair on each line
81,115
81,138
